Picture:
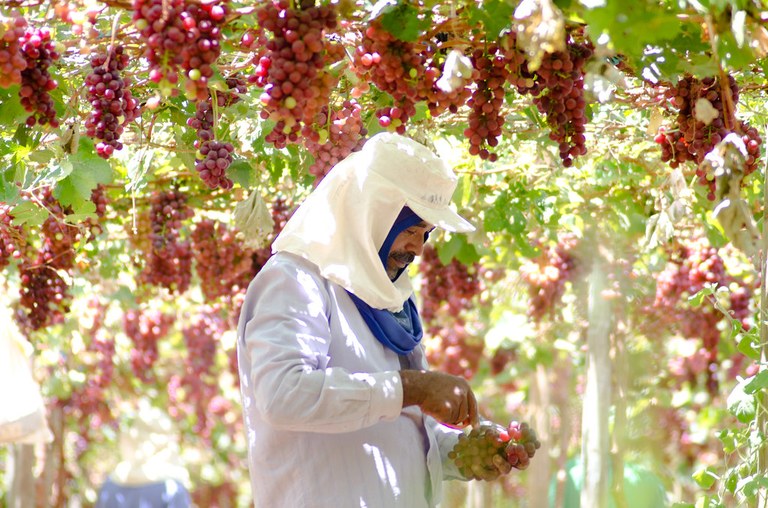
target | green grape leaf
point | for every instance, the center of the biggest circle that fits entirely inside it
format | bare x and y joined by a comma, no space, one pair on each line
705,477
757,382
29,213
88,170
404,21
494,15
747,345
741,404
241,171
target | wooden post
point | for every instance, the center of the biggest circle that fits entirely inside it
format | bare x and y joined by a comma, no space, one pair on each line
597,394
22,478
540,471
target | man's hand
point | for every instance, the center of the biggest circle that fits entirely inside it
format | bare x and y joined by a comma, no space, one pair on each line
448,399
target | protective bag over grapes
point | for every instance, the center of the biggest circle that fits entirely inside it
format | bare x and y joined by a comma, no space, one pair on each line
22,412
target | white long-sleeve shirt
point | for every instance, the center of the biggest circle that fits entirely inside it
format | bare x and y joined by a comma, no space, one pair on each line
322,401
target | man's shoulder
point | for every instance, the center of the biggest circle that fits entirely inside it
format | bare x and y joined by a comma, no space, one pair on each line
287,261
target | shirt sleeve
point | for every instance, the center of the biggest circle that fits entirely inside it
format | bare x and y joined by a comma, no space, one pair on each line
285,331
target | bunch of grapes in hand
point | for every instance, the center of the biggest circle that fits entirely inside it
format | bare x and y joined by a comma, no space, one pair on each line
480,454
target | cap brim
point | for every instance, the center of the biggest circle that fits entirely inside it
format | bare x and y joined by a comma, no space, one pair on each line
443,218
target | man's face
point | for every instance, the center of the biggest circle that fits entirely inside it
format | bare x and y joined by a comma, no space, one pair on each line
407,245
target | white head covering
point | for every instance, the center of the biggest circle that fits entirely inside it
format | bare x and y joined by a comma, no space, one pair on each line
344,221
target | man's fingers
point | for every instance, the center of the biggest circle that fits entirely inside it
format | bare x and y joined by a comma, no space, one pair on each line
472,407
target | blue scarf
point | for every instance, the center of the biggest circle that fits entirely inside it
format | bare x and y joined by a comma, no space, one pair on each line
393,334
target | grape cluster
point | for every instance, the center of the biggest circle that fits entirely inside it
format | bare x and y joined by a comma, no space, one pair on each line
453,349
557,88
214,157
169,261
485,119
438,99
223,267
12,62
11,237
161,25
113,105
446,291
201,338
337,135
703,119
44,294
292,69
547,275
203,34
36,82
88,402
453,285
477,453
145,328
395,67
692,265
522,444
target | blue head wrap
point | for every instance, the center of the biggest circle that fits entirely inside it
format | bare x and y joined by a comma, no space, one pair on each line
391,332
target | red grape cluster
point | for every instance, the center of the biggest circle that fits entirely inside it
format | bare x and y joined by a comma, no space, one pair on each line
336,136
100,200
201,338
223,267
438,99
12,62
11,237
692,265
395,67
478,453
453,285
456,351
162,27
39,53
145,328
169,261
557,88
485,119
44,294
214,157
446,291
704,118
292,70
113,105
203,48
547,275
